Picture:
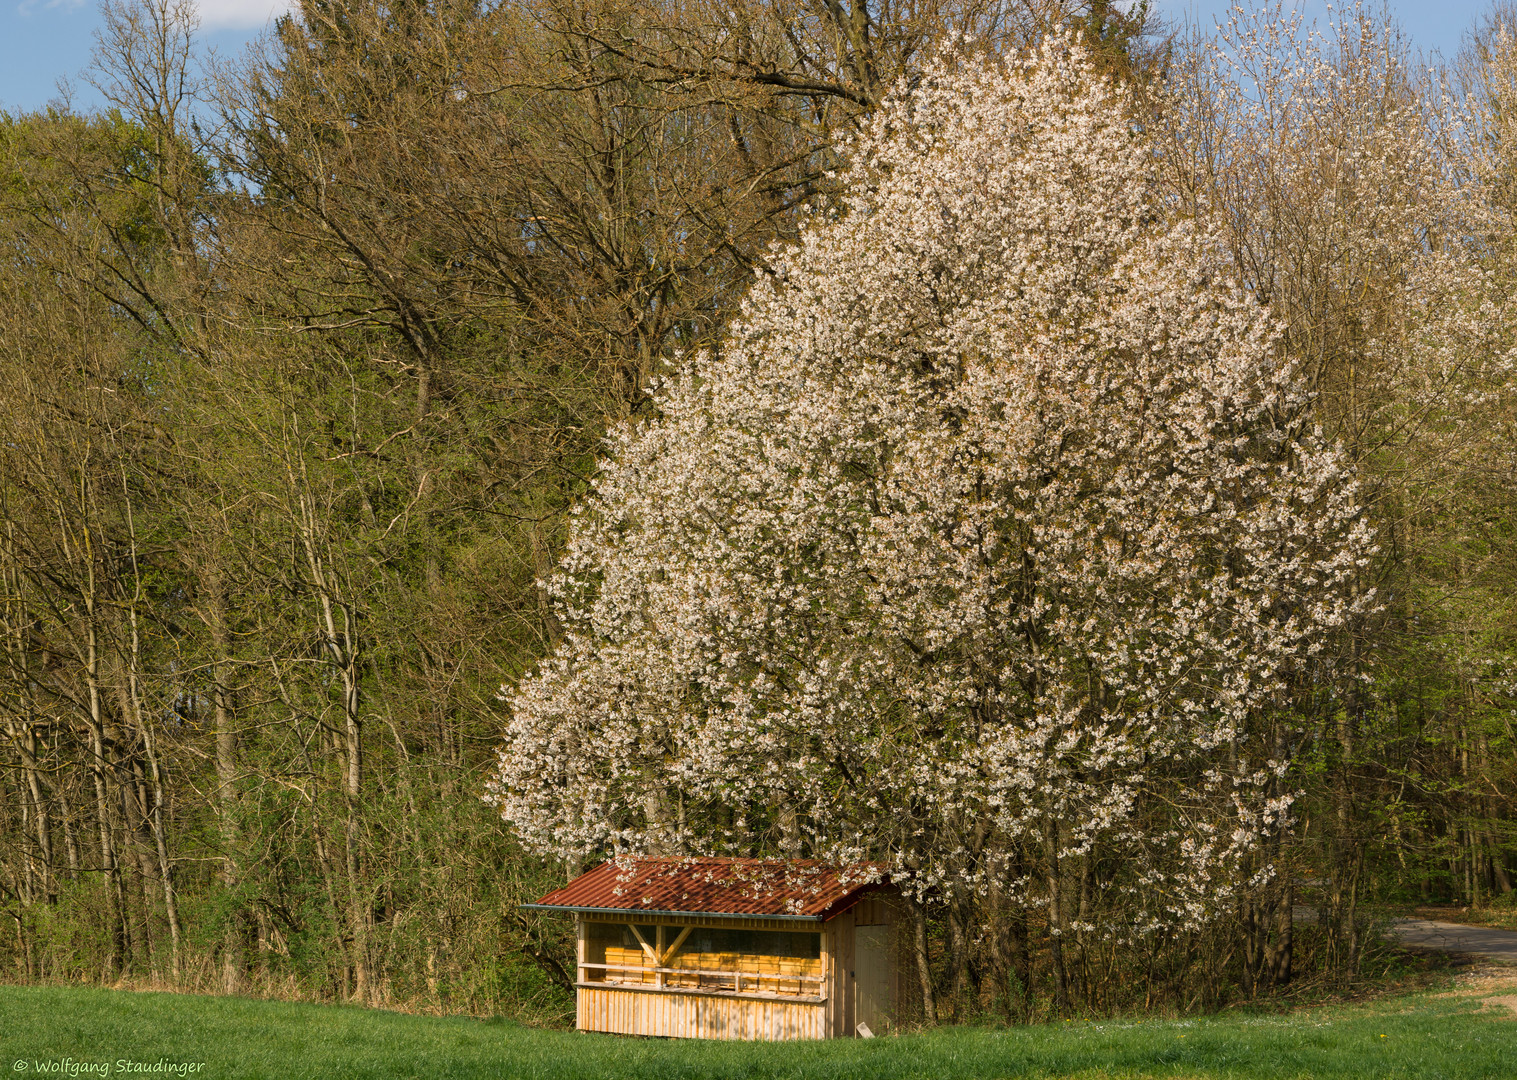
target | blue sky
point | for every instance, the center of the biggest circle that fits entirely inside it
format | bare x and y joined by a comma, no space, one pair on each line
44,40
1431,24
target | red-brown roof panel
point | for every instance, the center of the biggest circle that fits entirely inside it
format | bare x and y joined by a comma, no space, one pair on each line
689,886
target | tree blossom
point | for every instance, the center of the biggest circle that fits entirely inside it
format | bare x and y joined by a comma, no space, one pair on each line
983,533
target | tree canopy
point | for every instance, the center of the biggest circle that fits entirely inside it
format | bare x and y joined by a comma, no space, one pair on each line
979,539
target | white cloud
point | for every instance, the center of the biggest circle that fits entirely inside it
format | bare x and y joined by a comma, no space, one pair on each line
240,14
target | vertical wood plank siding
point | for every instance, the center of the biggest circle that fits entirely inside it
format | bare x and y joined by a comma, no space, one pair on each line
877,910
844,987
694,1016
871,911
580,932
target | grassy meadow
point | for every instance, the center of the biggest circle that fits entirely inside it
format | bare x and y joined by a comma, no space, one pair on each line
83,1031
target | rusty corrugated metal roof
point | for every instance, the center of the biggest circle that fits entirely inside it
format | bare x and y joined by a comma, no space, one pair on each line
795,888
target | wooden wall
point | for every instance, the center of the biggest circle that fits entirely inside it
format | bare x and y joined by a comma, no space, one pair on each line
837,958
874,910
880,909
686,1015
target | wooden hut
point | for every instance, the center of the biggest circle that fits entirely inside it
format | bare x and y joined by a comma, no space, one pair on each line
731,949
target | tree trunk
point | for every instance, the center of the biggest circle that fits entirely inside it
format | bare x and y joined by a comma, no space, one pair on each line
1056,918
1285,922
233,961
959,933
923,960
116,956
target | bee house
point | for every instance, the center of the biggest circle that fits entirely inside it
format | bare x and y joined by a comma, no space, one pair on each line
731,949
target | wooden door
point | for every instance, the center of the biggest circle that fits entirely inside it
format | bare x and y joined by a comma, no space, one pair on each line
871,977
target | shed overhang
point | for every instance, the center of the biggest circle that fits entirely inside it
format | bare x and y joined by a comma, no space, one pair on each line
800,891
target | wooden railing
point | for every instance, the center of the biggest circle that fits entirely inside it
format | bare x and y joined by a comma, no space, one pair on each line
709,981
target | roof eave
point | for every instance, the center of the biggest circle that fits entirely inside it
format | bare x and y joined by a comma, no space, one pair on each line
578,909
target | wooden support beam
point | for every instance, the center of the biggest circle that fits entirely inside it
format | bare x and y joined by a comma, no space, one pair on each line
649,949
672,950
581,946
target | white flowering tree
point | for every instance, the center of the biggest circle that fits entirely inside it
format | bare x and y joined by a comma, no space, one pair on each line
972,549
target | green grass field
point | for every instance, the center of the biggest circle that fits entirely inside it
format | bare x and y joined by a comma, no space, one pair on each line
60,1031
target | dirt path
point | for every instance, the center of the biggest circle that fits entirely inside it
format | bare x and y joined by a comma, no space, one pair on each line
1493,985
1456,938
